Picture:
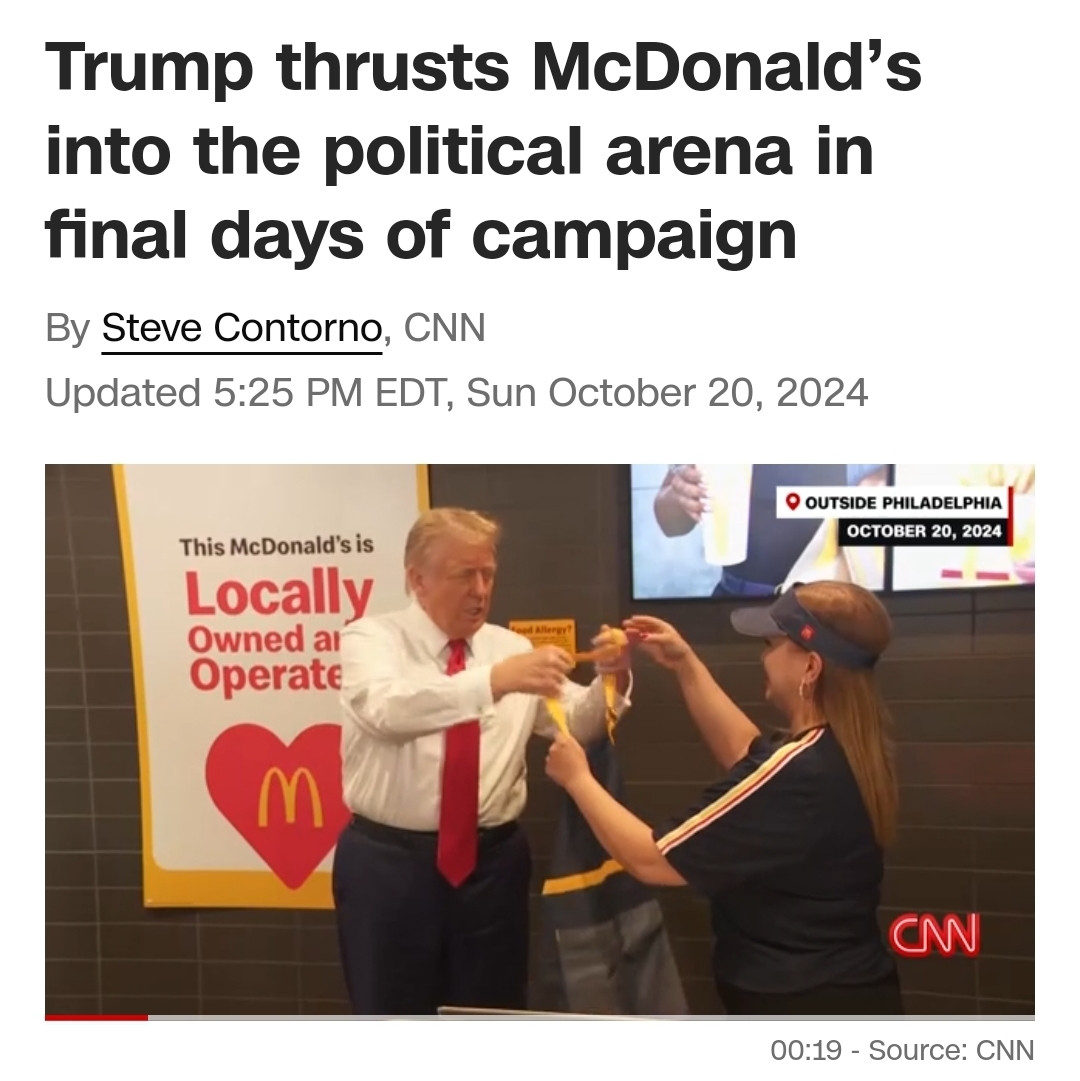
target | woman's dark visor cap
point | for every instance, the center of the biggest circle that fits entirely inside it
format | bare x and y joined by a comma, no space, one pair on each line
787,618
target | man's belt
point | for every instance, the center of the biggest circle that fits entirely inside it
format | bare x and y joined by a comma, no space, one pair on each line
423,840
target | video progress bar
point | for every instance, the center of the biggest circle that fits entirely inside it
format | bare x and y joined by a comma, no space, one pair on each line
236,353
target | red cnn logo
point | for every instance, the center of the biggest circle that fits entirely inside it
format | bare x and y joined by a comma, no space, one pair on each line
918,935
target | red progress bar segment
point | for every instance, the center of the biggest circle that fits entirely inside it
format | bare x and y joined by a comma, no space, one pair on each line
1010,530
97,1017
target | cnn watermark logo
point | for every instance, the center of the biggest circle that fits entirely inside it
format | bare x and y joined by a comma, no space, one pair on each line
918,934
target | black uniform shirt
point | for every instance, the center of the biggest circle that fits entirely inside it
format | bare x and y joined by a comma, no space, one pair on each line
784,849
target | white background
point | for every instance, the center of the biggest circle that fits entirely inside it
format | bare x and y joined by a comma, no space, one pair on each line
943,280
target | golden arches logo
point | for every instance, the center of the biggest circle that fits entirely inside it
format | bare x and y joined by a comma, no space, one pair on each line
288,794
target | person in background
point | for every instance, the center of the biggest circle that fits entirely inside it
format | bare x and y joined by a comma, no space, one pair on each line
788,847
431,876
775,545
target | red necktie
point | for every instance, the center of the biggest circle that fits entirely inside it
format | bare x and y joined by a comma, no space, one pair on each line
456,855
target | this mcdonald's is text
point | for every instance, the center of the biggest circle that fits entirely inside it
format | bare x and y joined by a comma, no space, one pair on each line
918,934
288,787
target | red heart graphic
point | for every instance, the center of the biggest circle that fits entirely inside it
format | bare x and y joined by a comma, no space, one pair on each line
286,802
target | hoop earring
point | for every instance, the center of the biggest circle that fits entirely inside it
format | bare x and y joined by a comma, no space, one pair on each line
802,689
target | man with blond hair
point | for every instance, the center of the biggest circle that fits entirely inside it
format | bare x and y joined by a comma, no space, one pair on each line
431,876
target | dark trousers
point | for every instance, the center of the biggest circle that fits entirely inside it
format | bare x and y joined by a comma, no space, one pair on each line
881,998
410,942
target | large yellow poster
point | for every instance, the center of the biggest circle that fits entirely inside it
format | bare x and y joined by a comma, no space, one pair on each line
239,580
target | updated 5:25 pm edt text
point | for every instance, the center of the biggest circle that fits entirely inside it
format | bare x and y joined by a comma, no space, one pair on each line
435,392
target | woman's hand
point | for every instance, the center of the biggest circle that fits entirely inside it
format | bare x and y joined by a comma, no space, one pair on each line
660,640
566,761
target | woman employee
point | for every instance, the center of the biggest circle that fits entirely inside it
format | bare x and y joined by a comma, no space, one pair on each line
788,848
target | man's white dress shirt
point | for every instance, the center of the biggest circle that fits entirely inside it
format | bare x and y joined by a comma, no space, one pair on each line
398,703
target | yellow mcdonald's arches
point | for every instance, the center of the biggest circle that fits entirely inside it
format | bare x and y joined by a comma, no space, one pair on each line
288,795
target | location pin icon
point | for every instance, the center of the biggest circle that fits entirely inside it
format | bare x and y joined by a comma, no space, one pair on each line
792,500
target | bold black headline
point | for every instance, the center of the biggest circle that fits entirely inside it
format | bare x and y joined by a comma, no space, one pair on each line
430,149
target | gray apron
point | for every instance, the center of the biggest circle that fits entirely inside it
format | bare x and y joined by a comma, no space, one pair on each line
603,945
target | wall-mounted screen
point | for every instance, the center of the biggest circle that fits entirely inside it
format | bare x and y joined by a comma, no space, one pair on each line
713,531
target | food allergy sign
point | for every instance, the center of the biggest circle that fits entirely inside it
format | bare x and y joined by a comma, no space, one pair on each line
548,632
239,580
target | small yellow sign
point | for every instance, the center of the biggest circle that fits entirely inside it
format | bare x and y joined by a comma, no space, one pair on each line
548,632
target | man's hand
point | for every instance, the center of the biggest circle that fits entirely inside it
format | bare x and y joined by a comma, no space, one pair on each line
611,649
688,489
681,500
541,671
566,761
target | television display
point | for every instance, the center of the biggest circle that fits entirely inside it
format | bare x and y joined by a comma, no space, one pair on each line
712,531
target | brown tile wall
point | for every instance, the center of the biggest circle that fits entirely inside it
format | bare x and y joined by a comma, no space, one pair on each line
960,679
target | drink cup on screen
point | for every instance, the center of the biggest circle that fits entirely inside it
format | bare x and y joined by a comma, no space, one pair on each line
725,524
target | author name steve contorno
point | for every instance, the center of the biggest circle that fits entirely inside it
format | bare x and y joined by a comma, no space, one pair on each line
230,327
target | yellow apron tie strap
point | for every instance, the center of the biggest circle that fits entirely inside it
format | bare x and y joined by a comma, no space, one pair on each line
608,651
611,714
558,714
